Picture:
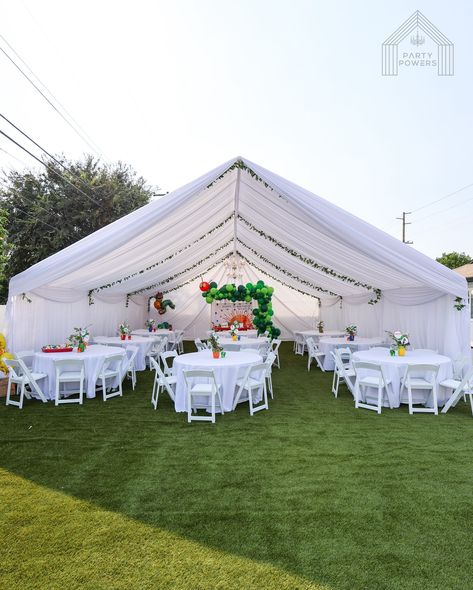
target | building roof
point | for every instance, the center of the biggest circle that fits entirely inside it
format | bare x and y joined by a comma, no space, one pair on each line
465,271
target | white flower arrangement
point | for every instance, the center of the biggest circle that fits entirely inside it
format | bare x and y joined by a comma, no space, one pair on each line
124,328
400,338
234,328
150,323
80,336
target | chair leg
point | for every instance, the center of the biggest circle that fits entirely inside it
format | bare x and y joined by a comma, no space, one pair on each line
380,398
409,397
189,407
471,403
434,399
250,400
213,408
104,391
81,391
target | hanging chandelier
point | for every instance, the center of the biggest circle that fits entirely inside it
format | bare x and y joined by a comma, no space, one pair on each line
234,266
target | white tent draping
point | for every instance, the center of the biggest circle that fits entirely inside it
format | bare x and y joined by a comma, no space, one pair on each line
322,261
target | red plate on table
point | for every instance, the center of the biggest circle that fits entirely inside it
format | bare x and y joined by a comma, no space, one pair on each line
46,349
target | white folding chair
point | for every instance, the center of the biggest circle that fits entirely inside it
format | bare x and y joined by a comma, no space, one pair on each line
130,370
299,344
25,380
461,388
342,374
158,345
27,356
377,379
271,357
111,369
427,383
164,356
345,354
199,345
274,347
161,382
69,371
253,381
176,341
209,391
314,353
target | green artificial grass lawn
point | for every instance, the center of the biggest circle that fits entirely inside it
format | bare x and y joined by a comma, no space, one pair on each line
310,494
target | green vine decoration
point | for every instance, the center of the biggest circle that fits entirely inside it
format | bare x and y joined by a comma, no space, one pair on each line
310,262
156,264
459,305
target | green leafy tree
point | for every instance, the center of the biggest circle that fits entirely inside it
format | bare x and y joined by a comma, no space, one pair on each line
45,211
454,259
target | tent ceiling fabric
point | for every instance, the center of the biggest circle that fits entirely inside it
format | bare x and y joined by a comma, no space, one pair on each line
272,222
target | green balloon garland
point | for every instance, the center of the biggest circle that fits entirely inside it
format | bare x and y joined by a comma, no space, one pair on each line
261,293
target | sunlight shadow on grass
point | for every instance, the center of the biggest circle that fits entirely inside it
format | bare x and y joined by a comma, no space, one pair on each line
62,542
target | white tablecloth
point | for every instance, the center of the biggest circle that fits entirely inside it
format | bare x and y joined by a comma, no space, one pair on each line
146,332
317,335
253,343
226,370
245,333
394,368
92,357
327,345
143,344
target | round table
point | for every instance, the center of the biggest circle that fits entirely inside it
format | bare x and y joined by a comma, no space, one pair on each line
143,344
253,343
146,332
227,370
326,345
395,366
226,333
93,357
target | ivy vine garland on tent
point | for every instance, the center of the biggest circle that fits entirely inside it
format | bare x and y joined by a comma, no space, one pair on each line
261,293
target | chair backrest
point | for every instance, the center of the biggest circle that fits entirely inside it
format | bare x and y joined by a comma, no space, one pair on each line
155,366
164,356
200,374
275,344
372,367
271,357
344,352
112,363
68,365
199,344
459,366
257,372
27,356
312,346
431,370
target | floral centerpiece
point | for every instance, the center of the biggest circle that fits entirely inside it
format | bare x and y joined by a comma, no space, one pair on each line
401,340
150,324
214,344
351,332
320,327
80,338
124,330
234,330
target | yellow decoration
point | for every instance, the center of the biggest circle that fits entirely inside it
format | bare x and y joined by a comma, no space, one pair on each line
234,337
4,354
401,350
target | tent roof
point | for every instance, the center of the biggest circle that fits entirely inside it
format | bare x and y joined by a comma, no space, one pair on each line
281,230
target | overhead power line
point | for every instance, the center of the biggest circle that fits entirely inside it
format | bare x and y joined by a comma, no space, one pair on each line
75,127
442,198
50,168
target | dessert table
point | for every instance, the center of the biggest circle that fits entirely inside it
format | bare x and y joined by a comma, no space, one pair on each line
143,344
395,366
326,345
93,356
227,370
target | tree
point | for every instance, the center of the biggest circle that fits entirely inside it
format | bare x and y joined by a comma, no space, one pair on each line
454,259
43,212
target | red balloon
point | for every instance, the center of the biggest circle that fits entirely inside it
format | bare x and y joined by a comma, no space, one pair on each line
204,286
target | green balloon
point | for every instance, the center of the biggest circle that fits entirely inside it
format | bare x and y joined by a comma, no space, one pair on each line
229,287
270,290
249,286
213,290
209,299
264,290
248,298
213,285
270,312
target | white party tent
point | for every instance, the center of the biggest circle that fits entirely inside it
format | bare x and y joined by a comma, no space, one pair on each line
322,262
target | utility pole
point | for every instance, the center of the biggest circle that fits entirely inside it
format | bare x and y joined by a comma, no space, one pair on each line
404,223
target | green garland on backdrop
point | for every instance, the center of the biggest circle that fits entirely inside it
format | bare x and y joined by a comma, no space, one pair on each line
459,305
262,315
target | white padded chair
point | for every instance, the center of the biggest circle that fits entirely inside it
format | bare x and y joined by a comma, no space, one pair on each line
427,384
161,382
69,372
377,379
208,390
342,374
164,357
314,353
274,347
460,388
130,370
111,369
25,381
253,381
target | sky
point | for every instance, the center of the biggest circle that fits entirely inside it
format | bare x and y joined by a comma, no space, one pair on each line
176,88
